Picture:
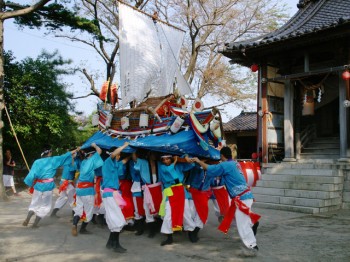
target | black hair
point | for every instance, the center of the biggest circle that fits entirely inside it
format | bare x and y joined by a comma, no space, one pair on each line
46,150
226,152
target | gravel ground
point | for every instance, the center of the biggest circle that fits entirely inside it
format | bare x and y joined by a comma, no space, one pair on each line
282,236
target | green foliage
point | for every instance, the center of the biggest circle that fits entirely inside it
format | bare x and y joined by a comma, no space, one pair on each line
39,105
55,17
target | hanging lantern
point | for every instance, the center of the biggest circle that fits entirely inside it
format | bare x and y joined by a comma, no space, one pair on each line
254,67
346,75
109,120
124,122
175,127
143,120
95,119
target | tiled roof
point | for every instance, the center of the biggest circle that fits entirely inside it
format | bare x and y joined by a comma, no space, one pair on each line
313,16
246,121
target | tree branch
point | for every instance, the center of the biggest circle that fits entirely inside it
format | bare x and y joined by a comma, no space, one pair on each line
24,11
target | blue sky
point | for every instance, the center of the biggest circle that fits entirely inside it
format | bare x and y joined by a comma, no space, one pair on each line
27,42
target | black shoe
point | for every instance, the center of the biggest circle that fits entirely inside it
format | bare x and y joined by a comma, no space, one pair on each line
167,241
83,229
100,219
54,211
195,234
117,247
139,226
110,243
129,227
152,229
93,219
36,222
255,228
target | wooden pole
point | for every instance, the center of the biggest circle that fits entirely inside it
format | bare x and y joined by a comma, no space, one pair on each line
151,16
14,133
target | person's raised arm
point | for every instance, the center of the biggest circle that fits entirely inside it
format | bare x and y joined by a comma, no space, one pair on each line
126,159
119,150
201,163
98,150
175,160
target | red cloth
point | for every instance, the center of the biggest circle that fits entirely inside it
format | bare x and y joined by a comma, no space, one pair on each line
64,185
98,196
177,204
125,188
237,203
46,180
85,184
139,203
222,198
104,88
157,196
114,94
200,199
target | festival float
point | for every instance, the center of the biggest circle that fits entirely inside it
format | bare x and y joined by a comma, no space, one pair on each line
152,111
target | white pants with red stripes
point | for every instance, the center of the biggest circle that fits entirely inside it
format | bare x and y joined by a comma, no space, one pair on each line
195,217
244,226
86,204
188,222
66,196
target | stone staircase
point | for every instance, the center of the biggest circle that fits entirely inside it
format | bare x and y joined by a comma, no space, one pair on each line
346,190
322,148
307,186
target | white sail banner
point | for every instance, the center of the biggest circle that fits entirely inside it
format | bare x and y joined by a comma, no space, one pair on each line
148,55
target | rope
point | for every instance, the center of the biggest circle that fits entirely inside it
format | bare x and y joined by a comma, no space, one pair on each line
14,133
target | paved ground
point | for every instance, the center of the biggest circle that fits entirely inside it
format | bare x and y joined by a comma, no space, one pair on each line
282,236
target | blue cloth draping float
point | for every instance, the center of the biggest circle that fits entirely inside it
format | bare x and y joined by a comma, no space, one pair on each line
181,143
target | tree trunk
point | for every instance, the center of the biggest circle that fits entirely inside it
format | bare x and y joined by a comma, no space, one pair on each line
2,188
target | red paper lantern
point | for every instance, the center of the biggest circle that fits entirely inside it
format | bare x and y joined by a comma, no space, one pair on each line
254,156
254,67
346,75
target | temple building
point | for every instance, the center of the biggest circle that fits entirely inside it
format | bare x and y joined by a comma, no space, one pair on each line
303,107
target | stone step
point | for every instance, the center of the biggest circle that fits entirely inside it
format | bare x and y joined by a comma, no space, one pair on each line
296,193
346,196
296,171
318,161
319,155
307,210
331,138
324,144
296,201
346,205
310,164
299,209
303,178
299,185
328,150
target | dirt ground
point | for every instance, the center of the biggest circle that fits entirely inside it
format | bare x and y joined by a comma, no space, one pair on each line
282,236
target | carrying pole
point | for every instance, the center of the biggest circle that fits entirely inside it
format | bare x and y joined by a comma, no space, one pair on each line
14,133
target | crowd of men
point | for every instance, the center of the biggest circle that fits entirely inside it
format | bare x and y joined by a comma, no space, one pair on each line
137,190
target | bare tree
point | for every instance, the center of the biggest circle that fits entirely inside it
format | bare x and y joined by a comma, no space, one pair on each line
3,16
210,24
